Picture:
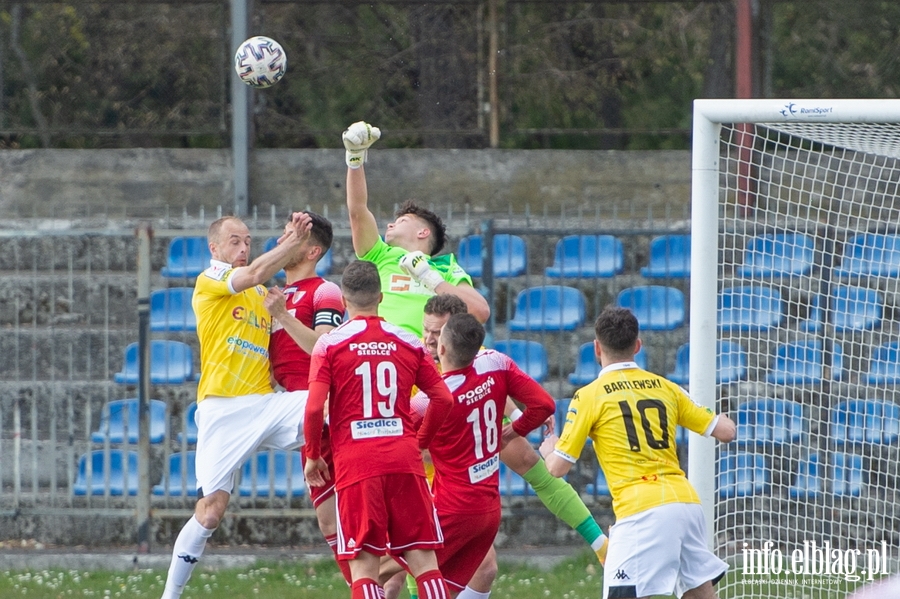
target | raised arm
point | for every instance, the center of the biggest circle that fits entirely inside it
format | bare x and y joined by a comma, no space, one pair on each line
363,227
264,267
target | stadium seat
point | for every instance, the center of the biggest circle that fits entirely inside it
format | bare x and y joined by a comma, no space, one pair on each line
742,475
871,421
670,257
511,484
763,422
599,486
802,362
731,363
809,481
323,266
171,362
587,368
847,475
548,308
884,364
113,421
562,408
171,310
530,356
187,257
587,256
749,308
780,255
509,255
871,255
853,309
656,307
122,481
190,426
277,464
171,483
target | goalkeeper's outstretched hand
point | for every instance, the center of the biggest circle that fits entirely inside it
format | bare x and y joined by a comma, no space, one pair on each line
357,139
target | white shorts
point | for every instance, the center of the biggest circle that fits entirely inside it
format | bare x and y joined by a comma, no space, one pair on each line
659,551
231,429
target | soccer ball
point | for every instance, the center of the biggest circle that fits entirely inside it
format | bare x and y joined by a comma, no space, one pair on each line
260,62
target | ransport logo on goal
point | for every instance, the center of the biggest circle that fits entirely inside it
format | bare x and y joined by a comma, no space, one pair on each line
792,110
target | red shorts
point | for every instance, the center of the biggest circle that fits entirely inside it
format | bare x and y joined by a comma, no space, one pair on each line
391,514
319,494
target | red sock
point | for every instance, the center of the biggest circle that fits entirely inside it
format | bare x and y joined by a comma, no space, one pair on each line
366,588
342,564
432,585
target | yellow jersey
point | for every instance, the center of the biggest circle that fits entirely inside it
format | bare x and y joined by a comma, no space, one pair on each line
631,415
233,329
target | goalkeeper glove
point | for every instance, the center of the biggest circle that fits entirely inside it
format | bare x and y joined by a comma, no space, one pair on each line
357,139
416,265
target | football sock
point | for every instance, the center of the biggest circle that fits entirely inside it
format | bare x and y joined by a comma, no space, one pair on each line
432,585
185,554
412,586
366,588
342,564
468,593
562,500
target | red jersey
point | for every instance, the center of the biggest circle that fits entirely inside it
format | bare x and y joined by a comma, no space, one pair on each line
466,449
367,367
313,302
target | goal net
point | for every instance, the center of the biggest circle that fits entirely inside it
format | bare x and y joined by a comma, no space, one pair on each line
796,255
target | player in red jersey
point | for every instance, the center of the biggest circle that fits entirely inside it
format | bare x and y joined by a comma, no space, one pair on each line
307,308
466,449
366,369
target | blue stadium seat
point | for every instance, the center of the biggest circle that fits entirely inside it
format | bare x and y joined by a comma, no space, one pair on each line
853,309
749,308
171,310
809,481
277,464
872,255
871,421
670,256
548,308
767,421
848,477
323,266
587,368
599,486
511,484
510,256
171,483
742,475
190,426
656,307
562,408
112,421
530,356
171,362
187,257
122,480
884,364
587,256
802,362
780,255
731,363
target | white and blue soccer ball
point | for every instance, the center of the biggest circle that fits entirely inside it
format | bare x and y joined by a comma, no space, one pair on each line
260,62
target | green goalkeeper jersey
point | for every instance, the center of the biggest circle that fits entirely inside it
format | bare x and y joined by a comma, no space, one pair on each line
404,299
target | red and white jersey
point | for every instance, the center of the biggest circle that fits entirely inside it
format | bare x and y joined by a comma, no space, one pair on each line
370,367
465,451
313,302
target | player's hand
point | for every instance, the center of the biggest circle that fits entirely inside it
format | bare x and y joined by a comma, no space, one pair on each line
316,472
416,265
275,302
357,139
298,230
548,446
507,435
549,425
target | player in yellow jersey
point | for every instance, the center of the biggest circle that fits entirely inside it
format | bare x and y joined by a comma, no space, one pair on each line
237,410
631,415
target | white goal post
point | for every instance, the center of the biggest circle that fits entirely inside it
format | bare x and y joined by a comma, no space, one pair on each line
795,213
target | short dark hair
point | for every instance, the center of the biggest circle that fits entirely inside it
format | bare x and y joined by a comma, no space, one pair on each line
435,224
322,231
462,336
617,331
360,284
443,304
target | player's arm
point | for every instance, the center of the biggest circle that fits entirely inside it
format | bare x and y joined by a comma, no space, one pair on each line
302,335
539,405
724,429
475,302
561,453
315,470
417,266
363,227
265,266
703,420
440,400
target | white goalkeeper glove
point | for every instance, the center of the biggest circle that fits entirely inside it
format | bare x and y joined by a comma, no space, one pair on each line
416,265
357,139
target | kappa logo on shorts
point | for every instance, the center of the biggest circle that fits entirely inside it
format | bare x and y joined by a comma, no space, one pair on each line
620,575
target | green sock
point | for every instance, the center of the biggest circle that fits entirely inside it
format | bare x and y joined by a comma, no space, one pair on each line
562,500
412,587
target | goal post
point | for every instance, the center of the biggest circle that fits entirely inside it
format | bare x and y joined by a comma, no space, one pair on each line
795,231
